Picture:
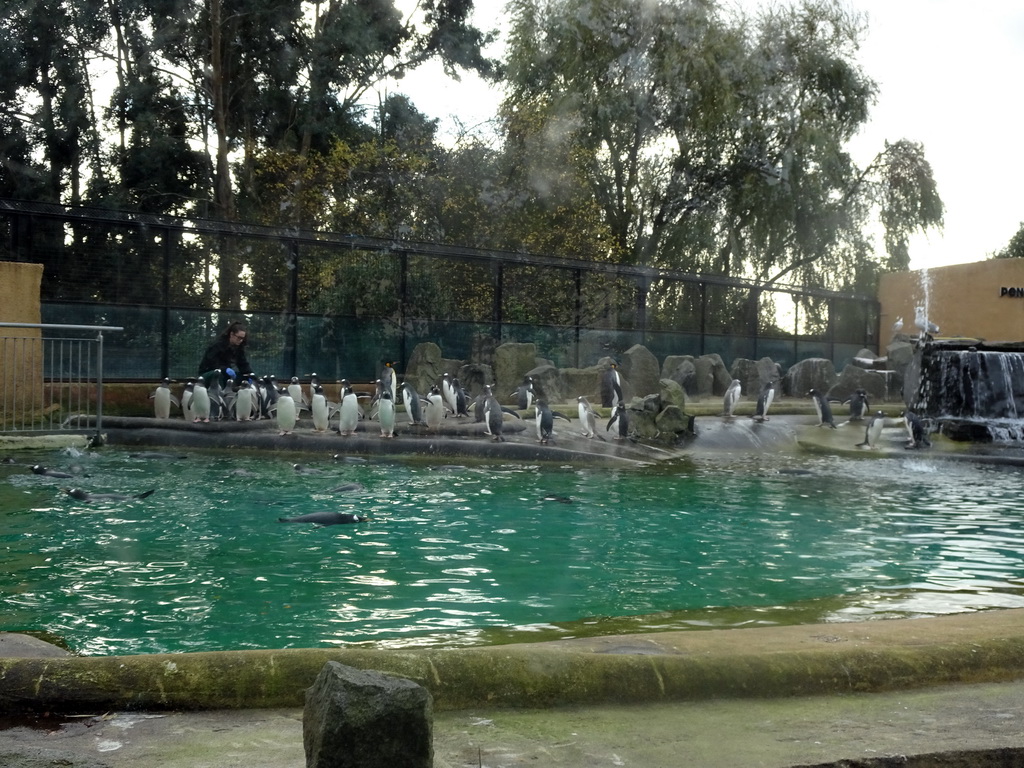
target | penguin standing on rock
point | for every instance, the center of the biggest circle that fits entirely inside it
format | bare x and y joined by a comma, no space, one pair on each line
732,396
917,432
524,394
388,381
163,399
320,409
824,410
546,422
286,411
588,417
200,402
436,410
494,417
413,405
764,402
873,430
386,414
859,405
348,410
611,387
622,418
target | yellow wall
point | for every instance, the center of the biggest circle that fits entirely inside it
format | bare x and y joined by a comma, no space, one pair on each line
21,354
965,300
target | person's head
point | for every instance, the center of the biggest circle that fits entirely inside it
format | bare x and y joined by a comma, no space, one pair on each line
237,333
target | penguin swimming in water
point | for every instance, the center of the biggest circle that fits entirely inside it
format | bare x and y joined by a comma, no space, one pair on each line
859,405
163,398
39,469
873,430
325,518
824,410
764,402
611,387
622,418
732,397
82,495
588,417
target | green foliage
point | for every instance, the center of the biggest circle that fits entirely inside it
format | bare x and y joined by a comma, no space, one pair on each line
1015,248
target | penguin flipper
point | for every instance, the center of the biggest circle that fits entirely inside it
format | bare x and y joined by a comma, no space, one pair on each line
512,411
557,415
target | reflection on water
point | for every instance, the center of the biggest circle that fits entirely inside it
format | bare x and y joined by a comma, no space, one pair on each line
495,553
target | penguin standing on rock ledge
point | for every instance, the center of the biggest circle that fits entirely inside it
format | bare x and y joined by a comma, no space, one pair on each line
622,418
824,410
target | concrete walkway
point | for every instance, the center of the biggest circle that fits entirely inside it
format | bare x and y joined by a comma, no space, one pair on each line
889,696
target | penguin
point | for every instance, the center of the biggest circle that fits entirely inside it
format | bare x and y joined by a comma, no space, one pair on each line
386,414
218,406
461,399
325,518
524,394
245,401
823,408
546,421
82,495
39,469
268,395
873,430
186,400
163,399
611,387
732,397
588,416
200,402
348,410
622,418
917,432
413,406
494,417
764,402
286,412
448,393
295,390
388,381
436,409
314,382
320,408
859,405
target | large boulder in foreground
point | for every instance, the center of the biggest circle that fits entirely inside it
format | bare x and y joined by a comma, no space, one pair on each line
357,718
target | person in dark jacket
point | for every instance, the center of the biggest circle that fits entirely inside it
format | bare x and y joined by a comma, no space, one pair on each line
227,353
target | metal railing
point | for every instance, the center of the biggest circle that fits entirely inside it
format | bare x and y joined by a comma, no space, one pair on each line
51,378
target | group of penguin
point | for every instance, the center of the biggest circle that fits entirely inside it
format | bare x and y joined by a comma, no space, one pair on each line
917,432
250,398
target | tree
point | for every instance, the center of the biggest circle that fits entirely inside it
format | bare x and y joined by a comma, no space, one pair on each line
1015,248
717,144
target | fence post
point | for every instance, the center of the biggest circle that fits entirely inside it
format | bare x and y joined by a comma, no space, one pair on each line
99,387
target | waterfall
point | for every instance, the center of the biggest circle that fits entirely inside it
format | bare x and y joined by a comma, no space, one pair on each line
972,392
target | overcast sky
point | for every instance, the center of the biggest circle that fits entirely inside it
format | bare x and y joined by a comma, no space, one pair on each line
949,77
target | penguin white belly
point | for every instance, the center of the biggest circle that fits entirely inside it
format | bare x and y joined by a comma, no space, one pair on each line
386,415
162,403
243,404
320,413
200,404
287,414
435,411
349,415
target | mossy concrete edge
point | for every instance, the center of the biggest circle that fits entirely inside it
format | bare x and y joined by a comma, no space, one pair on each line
684,666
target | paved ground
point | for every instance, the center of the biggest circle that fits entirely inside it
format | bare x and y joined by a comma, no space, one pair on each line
715,734
775,731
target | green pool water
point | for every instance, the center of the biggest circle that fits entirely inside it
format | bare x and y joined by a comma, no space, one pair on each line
461,555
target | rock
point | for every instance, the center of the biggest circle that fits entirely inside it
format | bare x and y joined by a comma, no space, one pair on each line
640,366
853,378
681,369
713,378
547,383
357,718
753,375
33,757
671,393
582,381
474,376
812,373
16,645
512,361
425,367
674,421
